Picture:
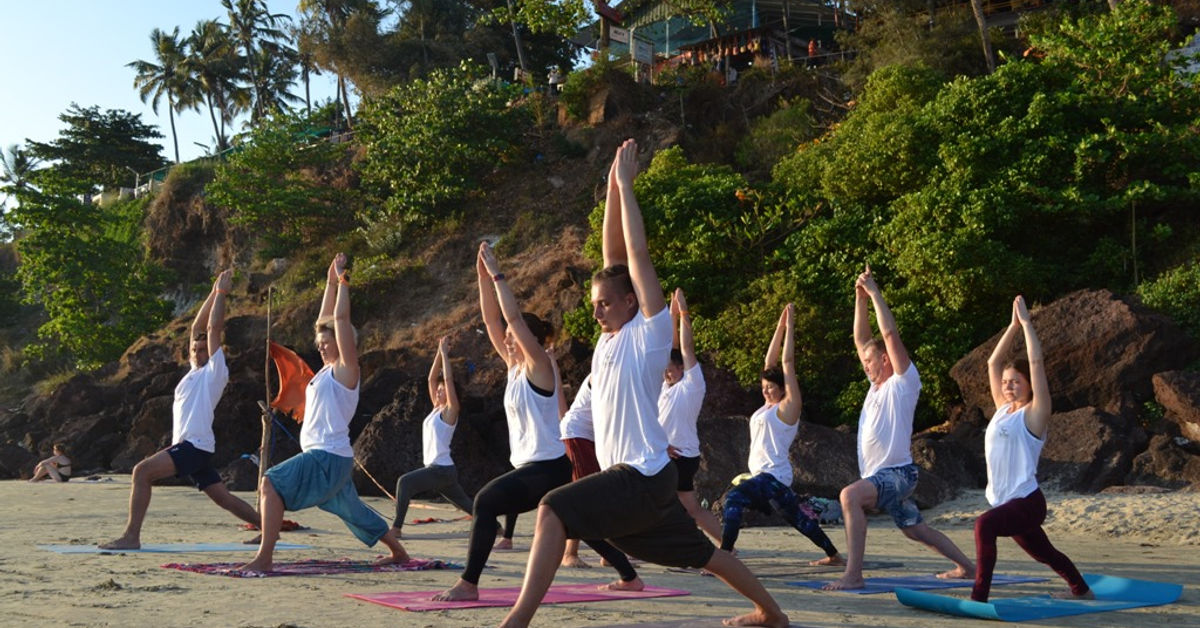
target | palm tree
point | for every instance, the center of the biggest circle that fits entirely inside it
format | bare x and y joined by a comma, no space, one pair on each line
213,61
276,68
326,22
167,77
984,38
305,58
16,168
257,32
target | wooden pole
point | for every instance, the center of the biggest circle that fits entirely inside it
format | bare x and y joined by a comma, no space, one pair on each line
264,448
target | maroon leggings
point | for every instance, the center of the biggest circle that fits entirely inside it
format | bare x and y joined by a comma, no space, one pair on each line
1021,519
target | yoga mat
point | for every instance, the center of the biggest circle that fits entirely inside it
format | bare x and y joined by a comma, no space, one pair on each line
439,520
166,548
311,567
914,583
558,594
1112,594
775,569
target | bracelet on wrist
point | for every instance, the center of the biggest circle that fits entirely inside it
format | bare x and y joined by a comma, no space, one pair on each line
344,277
222,292
498,277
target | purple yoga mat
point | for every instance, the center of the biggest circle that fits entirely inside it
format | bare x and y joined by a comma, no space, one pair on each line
558,594
310,568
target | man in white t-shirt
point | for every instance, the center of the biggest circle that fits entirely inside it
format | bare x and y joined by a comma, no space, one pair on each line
885,462
632,502
679,404
196,397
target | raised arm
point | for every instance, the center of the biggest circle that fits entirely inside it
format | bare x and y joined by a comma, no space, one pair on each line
996,361
562,399
774,348
789,408
641,270
1037,417
489,307
612,239
687,345
538,367
200,323
345,370
329,298
216,317
887,325
452,409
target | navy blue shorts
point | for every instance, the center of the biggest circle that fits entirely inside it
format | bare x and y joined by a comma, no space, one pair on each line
194,464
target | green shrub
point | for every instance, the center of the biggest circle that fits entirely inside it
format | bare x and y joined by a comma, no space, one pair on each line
429,143
1176,293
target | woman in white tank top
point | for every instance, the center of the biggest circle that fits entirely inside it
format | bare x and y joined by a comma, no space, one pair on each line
1012,444
532,410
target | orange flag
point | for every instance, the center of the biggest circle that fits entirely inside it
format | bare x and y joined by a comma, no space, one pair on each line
294,375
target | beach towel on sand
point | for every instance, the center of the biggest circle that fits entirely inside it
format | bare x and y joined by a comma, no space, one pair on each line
166,548
310,567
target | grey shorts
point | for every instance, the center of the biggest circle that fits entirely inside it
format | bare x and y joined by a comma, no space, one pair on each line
895,486
640,515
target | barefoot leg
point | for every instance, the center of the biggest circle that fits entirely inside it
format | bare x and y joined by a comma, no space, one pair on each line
730,570
271,506
145,473
549,539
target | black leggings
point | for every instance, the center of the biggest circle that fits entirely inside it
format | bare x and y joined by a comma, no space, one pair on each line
517,491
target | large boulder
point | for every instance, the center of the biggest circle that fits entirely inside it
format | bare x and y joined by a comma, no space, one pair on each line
1101,351
1169,461
1178,392
1089,449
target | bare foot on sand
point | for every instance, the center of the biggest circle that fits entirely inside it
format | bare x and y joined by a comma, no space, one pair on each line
758,618
258,564
460,592
122,543
958,573
575,561
621,585
392,559
833,561
1067,595
503,544
845,584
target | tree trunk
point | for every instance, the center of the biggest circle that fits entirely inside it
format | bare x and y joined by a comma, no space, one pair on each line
213,116
345,100
517,40
988,55
171,116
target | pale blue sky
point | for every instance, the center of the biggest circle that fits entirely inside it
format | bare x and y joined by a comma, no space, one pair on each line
55,52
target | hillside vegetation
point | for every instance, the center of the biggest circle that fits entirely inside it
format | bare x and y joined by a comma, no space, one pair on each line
1075,165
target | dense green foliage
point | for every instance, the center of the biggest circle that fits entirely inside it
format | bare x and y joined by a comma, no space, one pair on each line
279,183
430,142
1176,293
86,266
96,150
960,194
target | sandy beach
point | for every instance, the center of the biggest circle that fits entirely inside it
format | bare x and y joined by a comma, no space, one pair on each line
1139,536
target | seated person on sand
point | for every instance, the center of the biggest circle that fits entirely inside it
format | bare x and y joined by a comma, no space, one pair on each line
773,428
57,467
633,502
531,407
885,462
196,398
322,473
679,403
1012,445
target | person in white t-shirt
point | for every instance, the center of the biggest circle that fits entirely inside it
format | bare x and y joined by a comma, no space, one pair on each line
1012,444
321,474
679,404
885,463
773,428
531,406
439,473
632,502
193,443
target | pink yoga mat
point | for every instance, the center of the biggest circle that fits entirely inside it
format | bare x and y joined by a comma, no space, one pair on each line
558,594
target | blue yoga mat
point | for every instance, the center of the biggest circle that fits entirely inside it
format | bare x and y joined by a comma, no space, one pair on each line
1112,594
914,583
166,548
